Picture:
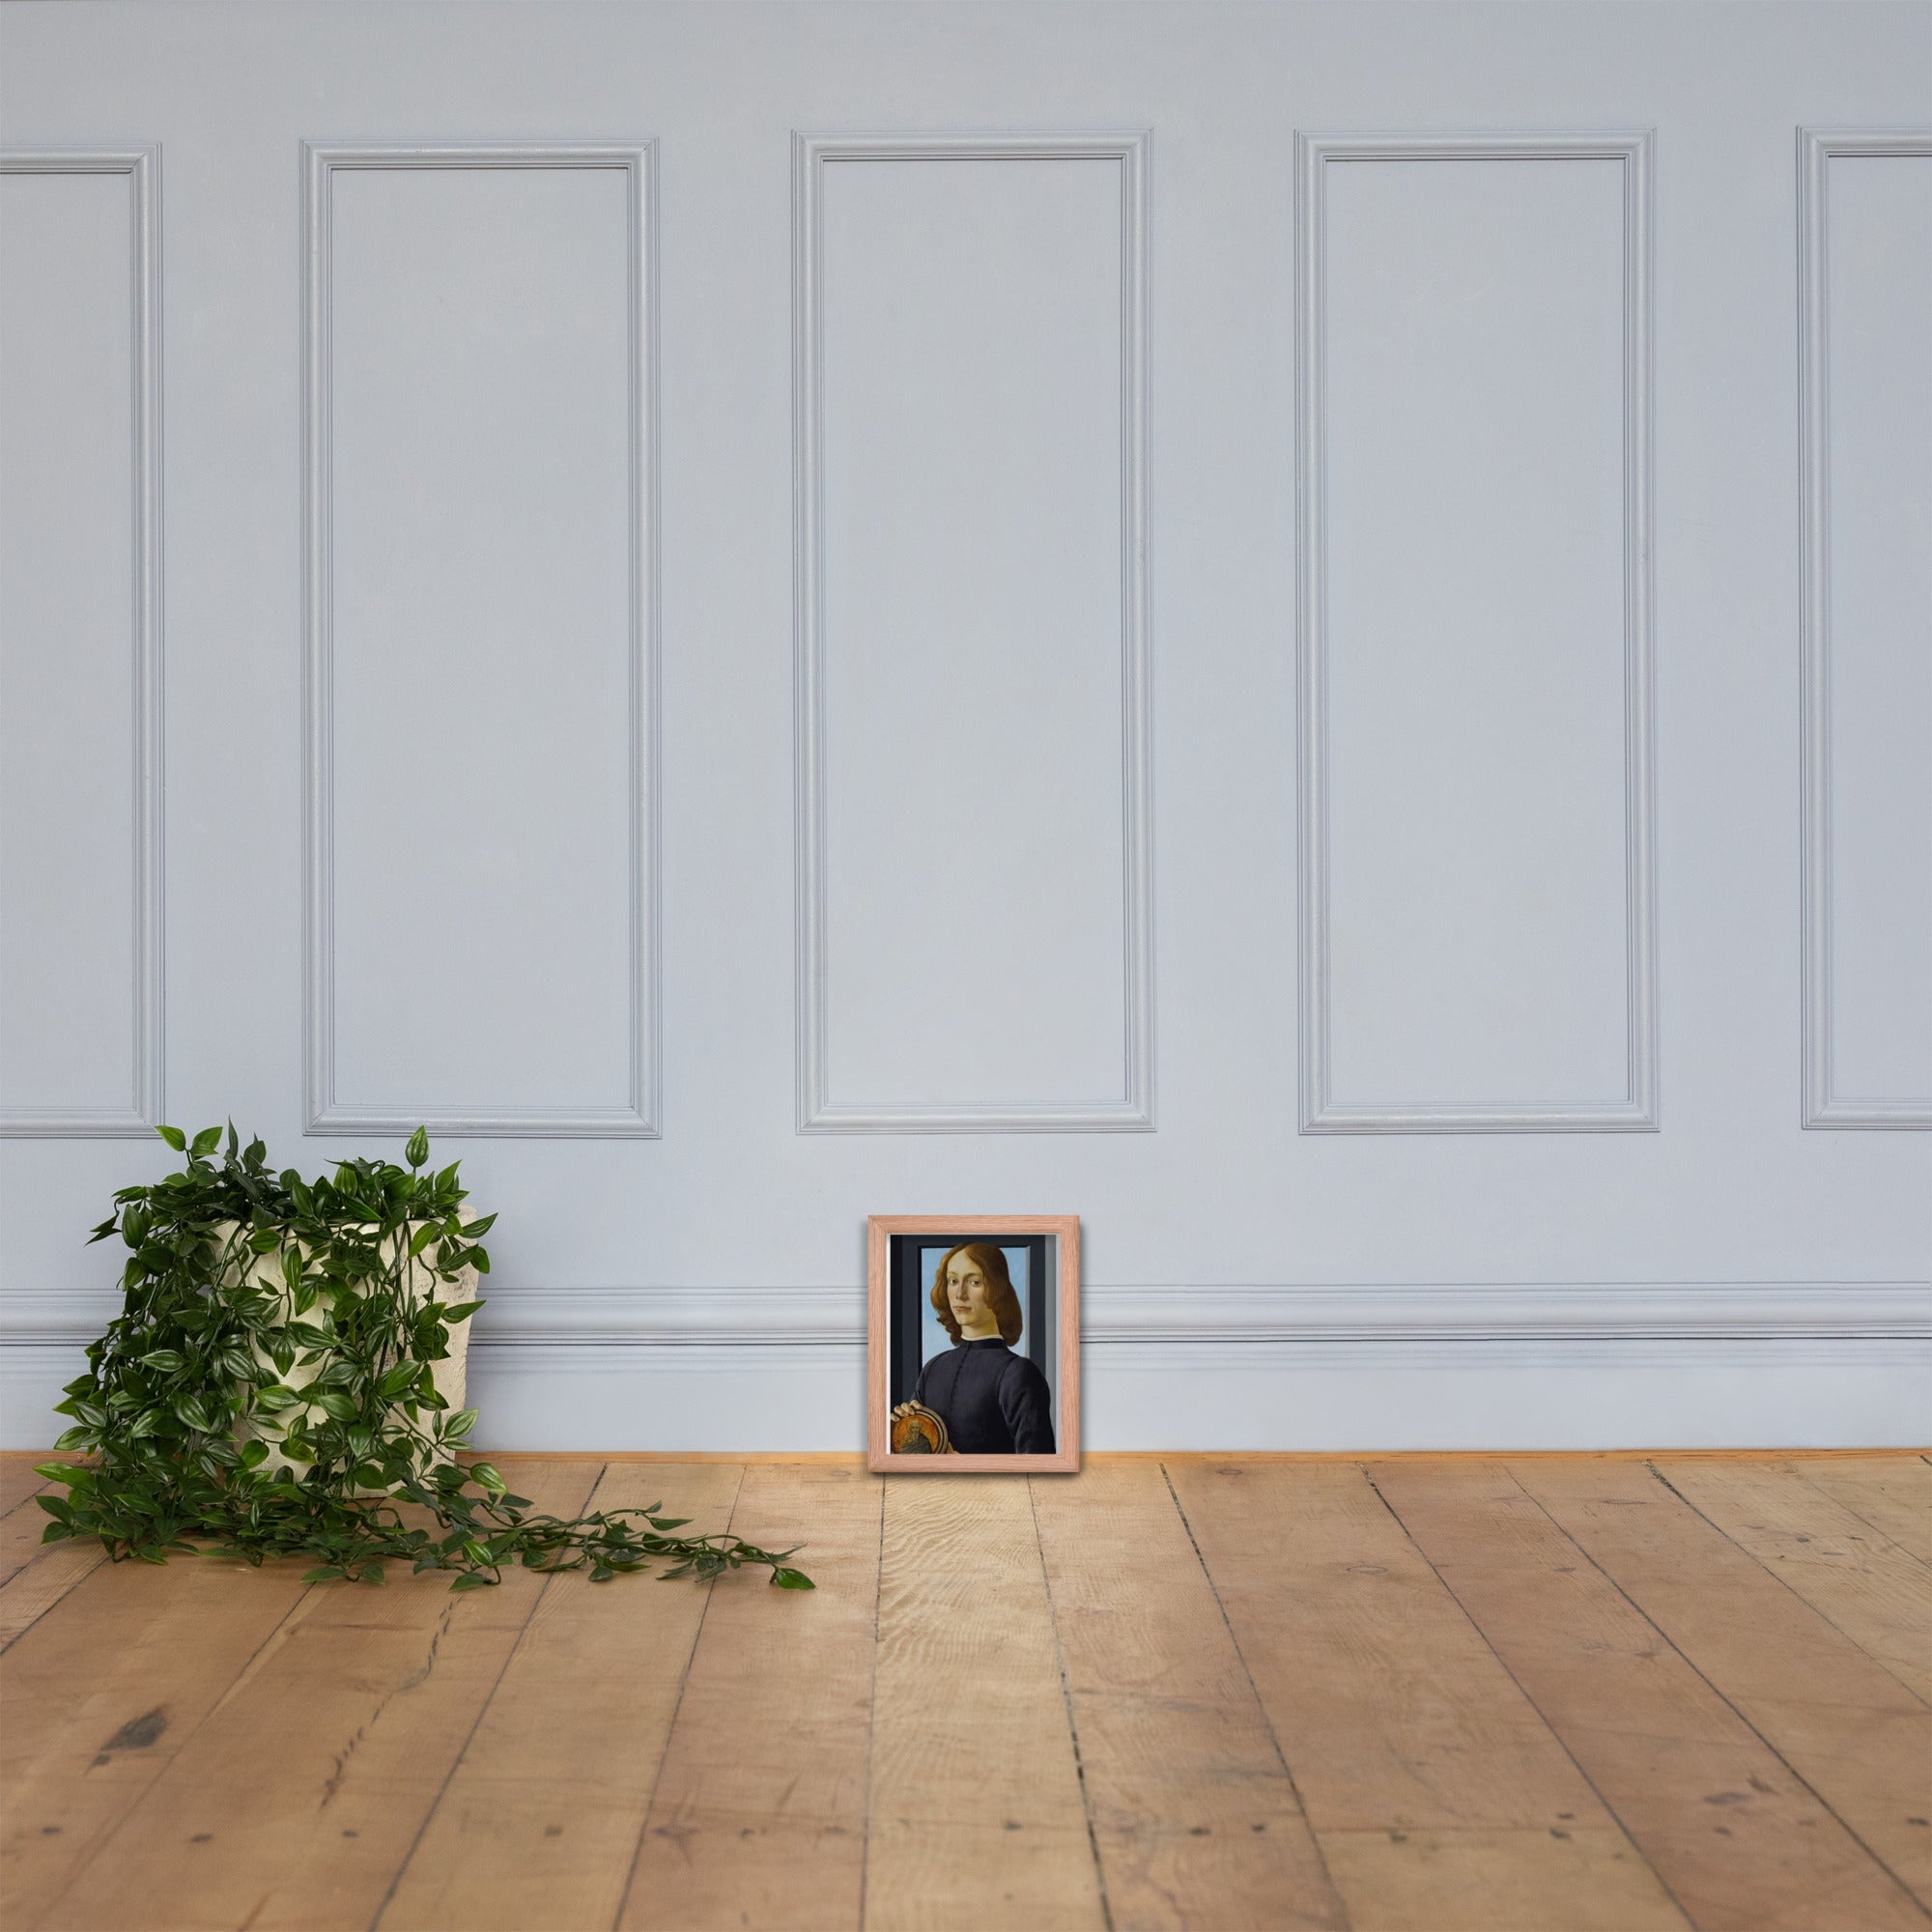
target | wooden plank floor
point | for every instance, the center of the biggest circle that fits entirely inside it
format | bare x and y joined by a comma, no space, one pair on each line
1181,1692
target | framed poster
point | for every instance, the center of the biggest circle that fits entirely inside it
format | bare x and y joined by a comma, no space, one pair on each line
973,1343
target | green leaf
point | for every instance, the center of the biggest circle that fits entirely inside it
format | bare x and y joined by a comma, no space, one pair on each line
469,1580
462,1312
174,1137
792,1579
205,1142
417,1150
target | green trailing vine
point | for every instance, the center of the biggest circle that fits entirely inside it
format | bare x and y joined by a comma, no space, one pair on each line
270,1387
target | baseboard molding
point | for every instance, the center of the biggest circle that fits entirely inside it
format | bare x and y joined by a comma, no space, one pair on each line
1331,1366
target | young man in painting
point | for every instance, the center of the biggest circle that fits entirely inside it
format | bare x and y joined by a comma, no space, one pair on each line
993,1401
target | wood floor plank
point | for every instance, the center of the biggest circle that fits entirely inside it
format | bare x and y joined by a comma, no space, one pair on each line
297,1799
1842,1721
1871,1589
1741,1842
1195,1815
1493,1880
759,1812
47,1575
21,1528
977,1816
24,1522
101,1695
1415,1753
18,1482
541,1815
1892,1494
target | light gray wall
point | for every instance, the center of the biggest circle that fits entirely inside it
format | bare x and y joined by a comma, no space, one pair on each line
1305,630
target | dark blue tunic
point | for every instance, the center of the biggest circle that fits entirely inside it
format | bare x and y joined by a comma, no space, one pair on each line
994,1403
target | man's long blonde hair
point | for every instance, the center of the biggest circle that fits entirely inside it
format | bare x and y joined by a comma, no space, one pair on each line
991,1263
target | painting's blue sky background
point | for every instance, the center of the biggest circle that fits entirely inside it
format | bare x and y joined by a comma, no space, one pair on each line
933,1340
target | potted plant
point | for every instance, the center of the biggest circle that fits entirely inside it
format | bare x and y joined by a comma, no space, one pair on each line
286,1379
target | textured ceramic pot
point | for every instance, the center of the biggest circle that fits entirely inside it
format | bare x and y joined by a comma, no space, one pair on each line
451,1375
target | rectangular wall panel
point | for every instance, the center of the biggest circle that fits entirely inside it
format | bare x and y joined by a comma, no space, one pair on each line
481,593
80,698
1866,303
973,931
1476,900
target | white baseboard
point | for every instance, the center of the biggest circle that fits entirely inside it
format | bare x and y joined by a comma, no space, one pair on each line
1373,1366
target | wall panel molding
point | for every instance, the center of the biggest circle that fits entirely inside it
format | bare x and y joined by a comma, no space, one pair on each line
1418,1315
326,1111
1823,1105
142,166
817,1112
1446,1317
1322,1111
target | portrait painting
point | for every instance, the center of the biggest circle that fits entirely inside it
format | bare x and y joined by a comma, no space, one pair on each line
974,1344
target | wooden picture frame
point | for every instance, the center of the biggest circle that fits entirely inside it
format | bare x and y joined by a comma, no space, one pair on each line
1054,1312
